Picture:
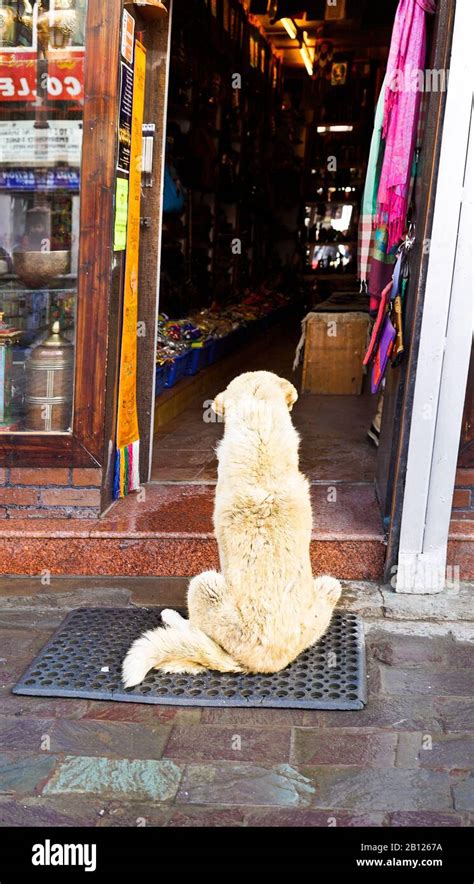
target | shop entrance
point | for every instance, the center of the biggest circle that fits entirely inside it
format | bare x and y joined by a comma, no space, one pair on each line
268,133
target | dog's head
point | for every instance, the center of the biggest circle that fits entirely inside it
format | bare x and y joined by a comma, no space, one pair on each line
263,386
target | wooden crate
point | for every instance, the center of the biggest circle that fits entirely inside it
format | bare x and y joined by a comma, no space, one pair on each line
334,349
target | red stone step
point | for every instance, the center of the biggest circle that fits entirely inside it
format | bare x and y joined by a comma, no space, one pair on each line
166,530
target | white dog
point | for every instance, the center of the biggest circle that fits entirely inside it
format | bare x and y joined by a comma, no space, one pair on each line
265,607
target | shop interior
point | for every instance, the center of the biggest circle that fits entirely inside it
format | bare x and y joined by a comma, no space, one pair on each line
267,145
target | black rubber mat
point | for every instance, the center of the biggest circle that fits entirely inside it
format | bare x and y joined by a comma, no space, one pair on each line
84,657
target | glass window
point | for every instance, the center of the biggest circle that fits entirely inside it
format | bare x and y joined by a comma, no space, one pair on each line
41,110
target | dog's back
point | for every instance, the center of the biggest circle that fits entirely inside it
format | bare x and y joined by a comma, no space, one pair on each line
264,608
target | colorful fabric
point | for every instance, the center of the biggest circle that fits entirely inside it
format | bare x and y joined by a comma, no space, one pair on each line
127,476
369,200
381,265
402,100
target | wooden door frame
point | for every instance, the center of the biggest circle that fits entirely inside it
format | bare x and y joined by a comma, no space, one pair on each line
158,44
84,446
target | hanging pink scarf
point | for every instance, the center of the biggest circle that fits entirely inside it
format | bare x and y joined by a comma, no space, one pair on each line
405,70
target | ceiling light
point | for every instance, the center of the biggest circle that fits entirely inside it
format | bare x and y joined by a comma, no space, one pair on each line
307,59
321,129
307,54
290,27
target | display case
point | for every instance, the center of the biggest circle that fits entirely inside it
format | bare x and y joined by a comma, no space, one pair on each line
41,126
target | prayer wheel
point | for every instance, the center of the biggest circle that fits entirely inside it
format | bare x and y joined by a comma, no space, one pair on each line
49,384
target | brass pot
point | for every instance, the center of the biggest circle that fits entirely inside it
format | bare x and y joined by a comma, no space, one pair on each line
49,384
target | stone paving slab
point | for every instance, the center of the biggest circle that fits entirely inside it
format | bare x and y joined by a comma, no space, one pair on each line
56,811
245,784
111,738
137,780
313,818
463,793
25,774
402,760
383,712
98,710
425,818
380,790
311,746
403,681
447,752
455,714
202,743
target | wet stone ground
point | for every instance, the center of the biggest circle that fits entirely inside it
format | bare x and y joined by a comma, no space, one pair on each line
406,759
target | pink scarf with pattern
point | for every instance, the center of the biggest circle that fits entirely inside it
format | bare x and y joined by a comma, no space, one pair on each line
404,78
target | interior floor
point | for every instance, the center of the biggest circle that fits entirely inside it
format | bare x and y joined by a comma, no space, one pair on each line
334,444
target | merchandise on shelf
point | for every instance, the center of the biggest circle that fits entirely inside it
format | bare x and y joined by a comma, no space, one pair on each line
187,345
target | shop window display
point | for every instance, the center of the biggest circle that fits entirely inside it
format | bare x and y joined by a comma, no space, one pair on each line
41,102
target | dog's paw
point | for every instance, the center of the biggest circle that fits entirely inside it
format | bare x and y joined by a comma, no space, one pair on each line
172,618
328,587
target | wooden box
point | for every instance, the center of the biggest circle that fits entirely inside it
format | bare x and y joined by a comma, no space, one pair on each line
334,349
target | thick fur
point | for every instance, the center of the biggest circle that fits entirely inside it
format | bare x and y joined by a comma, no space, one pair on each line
265,607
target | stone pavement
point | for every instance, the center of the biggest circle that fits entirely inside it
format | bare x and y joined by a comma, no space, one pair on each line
404,760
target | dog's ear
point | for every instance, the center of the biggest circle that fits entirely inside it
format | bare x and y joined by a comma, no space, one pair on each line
218,405
290,392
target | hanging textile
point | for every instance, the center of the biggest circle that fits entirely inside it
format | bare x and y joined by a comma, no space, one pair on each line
403,92
382,259
127,476
369,200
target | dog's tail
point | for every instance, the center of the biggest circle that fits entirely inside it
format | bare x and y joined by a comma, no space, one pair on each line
176,647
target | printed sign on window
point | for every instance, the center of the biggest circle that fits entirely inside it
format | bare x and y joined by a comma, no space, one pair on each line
60,143
63,81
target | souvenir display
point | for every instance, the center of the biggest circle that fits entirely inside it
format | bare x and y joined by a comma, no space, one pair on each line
180,339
